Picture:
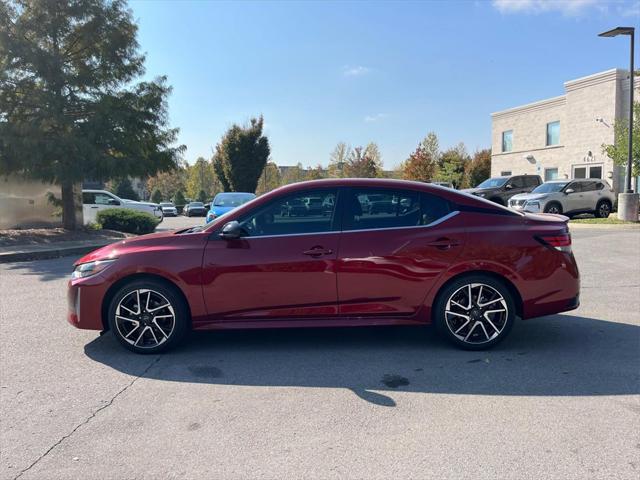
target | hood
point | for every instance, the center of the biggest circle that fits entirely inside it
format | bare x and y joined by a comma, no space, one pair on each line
129,245
530,196
221,210
477,190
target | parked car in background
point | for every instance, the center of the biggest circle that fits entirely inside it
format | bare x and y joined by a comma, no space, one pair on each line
195,209
296,207
380,204
500,189
169,209
224,202
94,201
468,265
568,197
315,205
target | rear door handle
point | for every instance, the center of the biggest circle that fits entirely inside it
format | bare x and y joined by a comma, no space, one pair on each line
443,243
318,251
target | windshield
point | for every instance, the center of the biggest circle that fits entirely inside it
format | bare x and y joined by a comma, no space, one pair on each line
550,187
232,199
197,204
493,182
166,204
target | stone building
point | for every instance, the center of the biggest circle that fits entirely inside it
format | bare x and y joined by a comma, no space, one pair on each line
562,137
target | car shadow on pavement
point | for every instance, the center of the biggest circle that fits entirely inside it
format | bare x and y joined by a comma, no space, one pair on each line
46,270
559,355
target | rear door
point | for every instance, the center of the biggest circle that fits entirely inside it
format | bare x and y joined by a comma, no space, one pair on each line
390,257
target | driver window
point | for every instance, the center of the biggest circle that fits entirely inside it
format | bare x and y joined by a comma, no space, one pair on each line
102,199
305,212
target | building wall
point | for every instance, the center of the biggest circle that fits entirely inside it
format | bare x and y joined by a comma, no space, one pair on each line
587,112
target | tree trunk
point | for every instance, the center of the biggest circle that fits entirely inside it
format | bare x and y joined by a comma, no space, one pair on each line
68,207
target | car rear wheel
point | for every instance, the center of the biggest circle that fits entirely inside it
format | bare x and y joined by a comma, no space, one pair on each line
148,316
475,312
553,207
603,209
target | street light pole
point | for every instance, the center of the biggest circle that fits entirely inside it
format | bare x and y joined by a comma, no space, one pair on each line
627,202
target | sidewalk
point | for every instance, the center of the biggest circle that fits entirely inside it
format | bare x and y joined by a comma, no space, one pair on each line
23,253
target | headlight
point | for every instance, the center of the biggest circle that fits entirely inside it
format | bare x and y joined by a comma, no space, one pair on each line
91,268
534,205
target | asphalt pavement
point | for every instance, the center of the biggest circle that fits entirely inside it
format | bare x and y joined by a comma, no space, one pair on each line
560,398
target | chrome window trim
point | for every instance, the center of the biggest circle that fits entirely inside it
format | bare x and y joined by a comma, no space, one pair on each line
432,224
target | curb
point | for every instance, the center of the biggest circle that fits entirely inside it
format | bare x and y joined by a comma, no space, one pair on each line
51,253
610,226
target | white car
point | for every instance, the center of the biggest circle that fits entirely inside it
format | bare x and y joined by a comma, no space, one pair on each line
568,197
169,209
93,201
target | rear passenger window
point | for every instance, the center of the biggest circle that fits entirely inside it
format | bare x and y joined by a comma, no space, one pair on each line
517,182
588,186
367,209
531,181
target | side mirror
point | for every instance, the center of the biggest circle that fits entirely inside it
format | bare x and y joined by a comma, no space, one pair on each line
509,187
113,201
232,230
569,190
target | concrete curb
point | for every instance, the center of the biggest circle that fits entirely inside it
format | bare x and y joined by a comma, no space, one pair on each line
610,226
41,254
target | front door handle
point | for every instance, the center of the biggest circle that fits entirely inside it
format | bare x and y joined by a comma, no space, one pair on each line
443,243
318,251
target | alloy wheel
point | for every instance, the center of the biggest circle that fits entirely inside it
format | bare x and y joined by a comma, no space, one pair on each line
604,210
476,313
553,209
145,318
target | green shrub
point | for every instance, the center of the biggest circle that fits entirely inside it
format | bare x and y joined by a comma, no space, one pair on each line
127,220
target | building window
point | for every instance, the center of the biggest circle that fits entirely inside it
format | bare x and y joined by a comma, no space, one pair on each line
505,173
550,174
507,141
553,133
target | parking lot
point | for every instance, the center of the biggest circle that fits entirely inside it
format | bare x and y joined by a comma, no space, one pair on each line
558,399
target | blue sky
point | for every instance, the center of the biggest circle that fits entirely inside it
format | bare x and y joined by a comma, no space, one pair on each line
389,72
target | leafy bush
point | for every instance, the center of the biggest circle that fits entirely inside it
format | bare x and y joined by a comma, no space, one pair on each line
127,220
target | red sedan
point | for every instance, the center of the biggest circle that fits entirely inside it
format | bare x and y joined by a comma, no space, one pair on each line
434,256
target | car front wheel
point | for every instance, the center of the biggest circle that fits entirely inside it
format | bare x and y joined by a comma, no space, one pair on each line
148,316
553,207
475,312
603,209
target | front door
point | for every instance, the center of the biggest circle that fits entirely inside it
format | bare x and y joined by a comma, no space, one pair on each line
284,267
390,257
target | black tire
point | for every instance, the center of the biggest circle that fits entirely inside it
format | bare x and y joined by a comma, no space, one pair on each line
603,209
483,330
553,207
172,336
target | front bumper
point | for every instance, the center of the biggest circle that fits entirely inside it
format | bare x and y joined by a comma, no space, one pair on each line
84,300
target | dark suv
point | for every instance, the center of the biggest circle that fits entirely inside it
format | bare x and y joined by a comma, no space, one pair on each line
501,189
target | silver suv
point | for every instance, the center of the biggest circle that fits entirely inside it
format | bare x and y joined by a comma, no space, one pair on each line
568,197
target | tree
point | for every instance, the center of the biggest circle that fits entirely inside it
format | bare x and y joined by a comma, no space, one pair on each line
453,162
420,165
293,174
218,169
243,154
200,177
124,189
431,145
270,179
69,107
169,182
315,173
156,196
361,165
338,159
203,196
619,151
179,199
478,169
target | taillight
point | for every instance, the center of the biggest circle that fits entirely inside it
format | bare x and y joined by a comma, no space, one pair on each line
559,241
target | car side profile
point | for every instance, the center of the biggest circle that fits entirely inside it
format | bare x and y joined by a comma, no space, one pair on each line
467,265
94,201
500,189
568,197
